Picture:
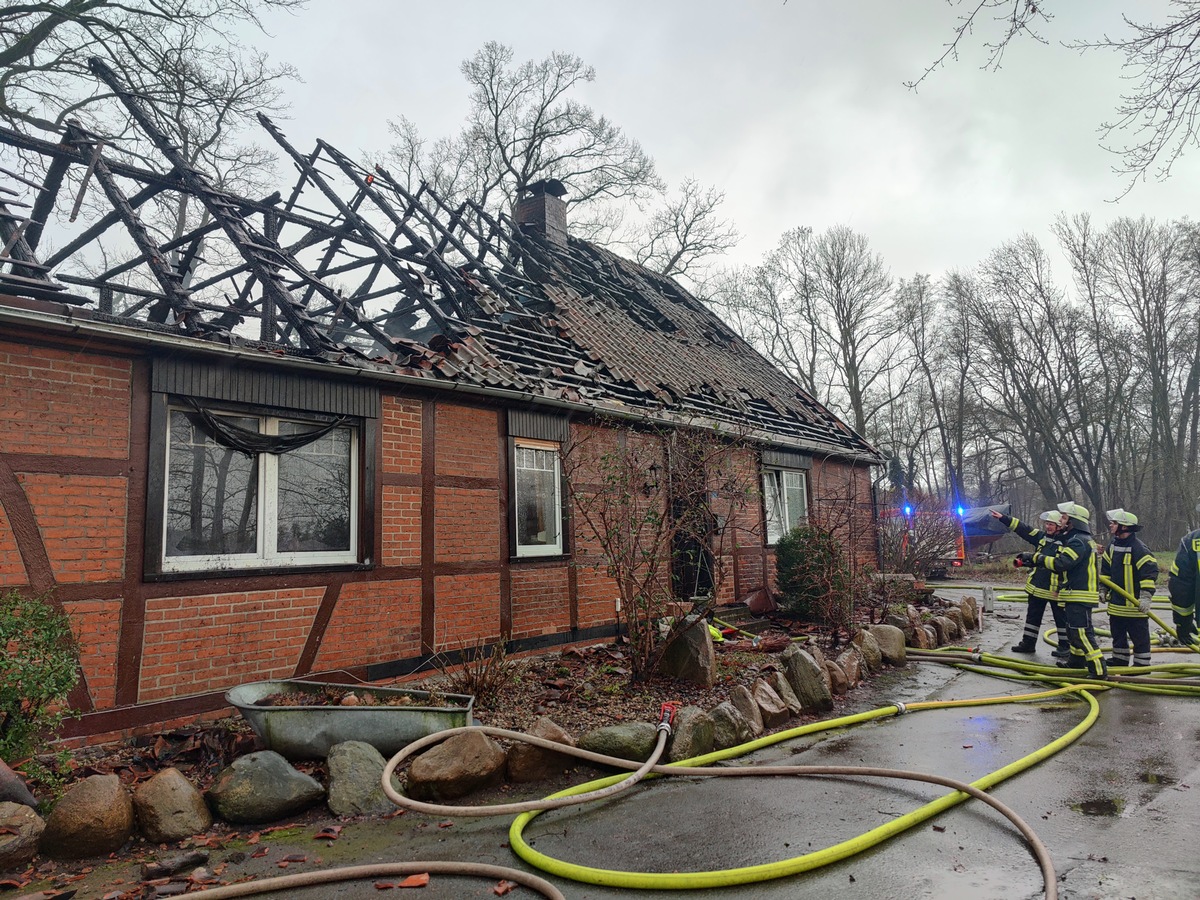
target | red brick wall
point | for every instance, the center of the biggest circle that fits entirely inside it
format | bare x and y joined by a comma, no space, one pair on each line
401,525
82,522
540,601
72,408
63,402
374,622
401,434
96,625
844,494
12,569
213,642
467,442
468,610
467,525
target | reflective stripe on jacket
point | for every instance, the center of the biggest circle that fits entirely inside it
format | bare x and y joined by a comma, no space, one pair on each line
1132,567
1183,580
1075,561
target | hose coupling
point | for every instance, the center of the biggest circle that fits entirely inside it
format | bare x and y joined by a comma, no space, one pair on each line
666,716
901,708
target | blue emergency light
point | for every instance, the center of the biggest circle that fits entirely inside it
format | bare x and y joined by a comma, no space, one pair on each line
907,509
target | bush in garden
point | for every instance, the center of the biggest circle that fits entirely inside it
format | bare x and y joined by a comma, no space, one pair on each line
813,576
38,668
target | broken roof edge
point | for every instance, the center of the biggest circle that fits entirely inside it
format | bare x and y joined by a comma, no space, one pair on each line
69,322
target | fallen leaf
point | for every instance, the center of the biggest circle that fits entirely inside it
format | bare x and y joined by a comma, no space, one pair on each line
968,746
503,887
446,824
415,881
939,828
260,853
384,885
296,857
329,833
254,838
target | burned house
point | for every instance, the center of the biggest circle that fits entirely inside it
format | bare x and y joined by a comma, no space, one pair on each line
322,431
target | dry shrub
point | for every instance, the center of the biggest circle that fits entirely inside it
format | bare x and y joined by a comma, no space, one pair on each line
484,671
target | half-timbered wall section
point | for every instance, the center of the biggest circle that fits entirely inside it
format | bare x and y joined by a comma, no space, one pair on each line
323,431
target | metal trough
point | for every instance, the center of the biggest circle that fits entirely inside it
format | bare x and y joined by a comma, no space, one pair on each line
307,732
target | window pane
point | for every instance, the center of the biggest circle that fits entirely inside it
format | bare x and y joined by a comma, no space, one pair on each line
212,493
537,497
773,504
314,492
796,497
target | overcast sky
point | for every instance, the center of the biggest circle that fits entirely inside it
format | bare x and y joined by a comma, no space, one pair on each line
797,110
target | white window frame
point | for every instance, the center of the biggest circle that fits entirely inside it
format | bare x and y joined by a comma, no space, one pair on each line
532,550
776,509
268,509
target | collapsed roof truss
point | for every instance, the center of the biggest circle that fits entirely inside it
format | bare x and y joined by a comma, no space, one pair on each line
350,264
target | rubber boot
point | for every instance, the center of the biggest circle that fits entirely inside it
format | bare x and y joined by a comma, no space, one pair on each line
1061,652
1025,645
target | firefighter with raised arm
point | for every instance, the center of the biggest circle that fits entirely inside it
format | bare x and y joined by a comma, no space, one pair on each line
1041,584
1074,558
1182,586
1129,564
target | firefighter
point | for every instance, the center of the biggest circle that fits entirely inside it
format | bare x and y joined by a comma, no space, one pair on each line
1039,587
1182,586
1133,568
1074,558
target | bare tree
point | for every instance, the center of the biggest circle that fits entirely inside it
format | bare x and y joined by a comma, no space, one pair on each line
821,308
662,510
1157,120
685,233
524,125
45,47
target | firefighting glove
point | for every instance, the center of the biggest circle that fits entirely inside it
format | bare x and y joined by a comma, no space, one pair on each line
1023,560
1144,600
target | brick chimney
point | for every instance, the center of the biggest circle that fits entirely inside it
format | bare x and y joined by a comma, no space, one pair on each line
542,210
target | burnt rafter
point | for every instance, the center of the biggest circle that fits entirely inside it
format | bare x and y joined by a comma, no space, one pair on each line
350,267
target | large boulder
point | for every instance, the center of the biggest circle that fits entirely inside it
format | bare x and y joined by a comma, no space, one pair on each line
869,648
891,644
20,830
808,680
631,740
970,611
730,727
356,780
690,655
779,684
771,708
169,808
262,787
454,768
13,789
837,678
692,735
741,697
93,818
529,763
851,662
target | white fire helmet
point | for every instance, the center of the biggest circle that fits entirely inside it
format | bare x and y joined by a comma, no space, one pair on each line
1073,510
1123,518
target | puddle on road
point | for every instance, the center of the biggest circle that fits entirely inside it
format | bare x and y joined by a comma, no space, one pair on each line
1100,806
1156,778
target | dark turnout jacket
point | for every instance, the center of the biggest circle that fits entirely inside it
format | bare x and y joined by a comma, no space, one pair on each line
1041,582
1130,565
1075,559
1184,579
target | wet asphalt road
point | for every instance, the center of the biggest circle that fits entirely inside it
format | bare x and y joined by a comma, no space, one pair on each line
1117,808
